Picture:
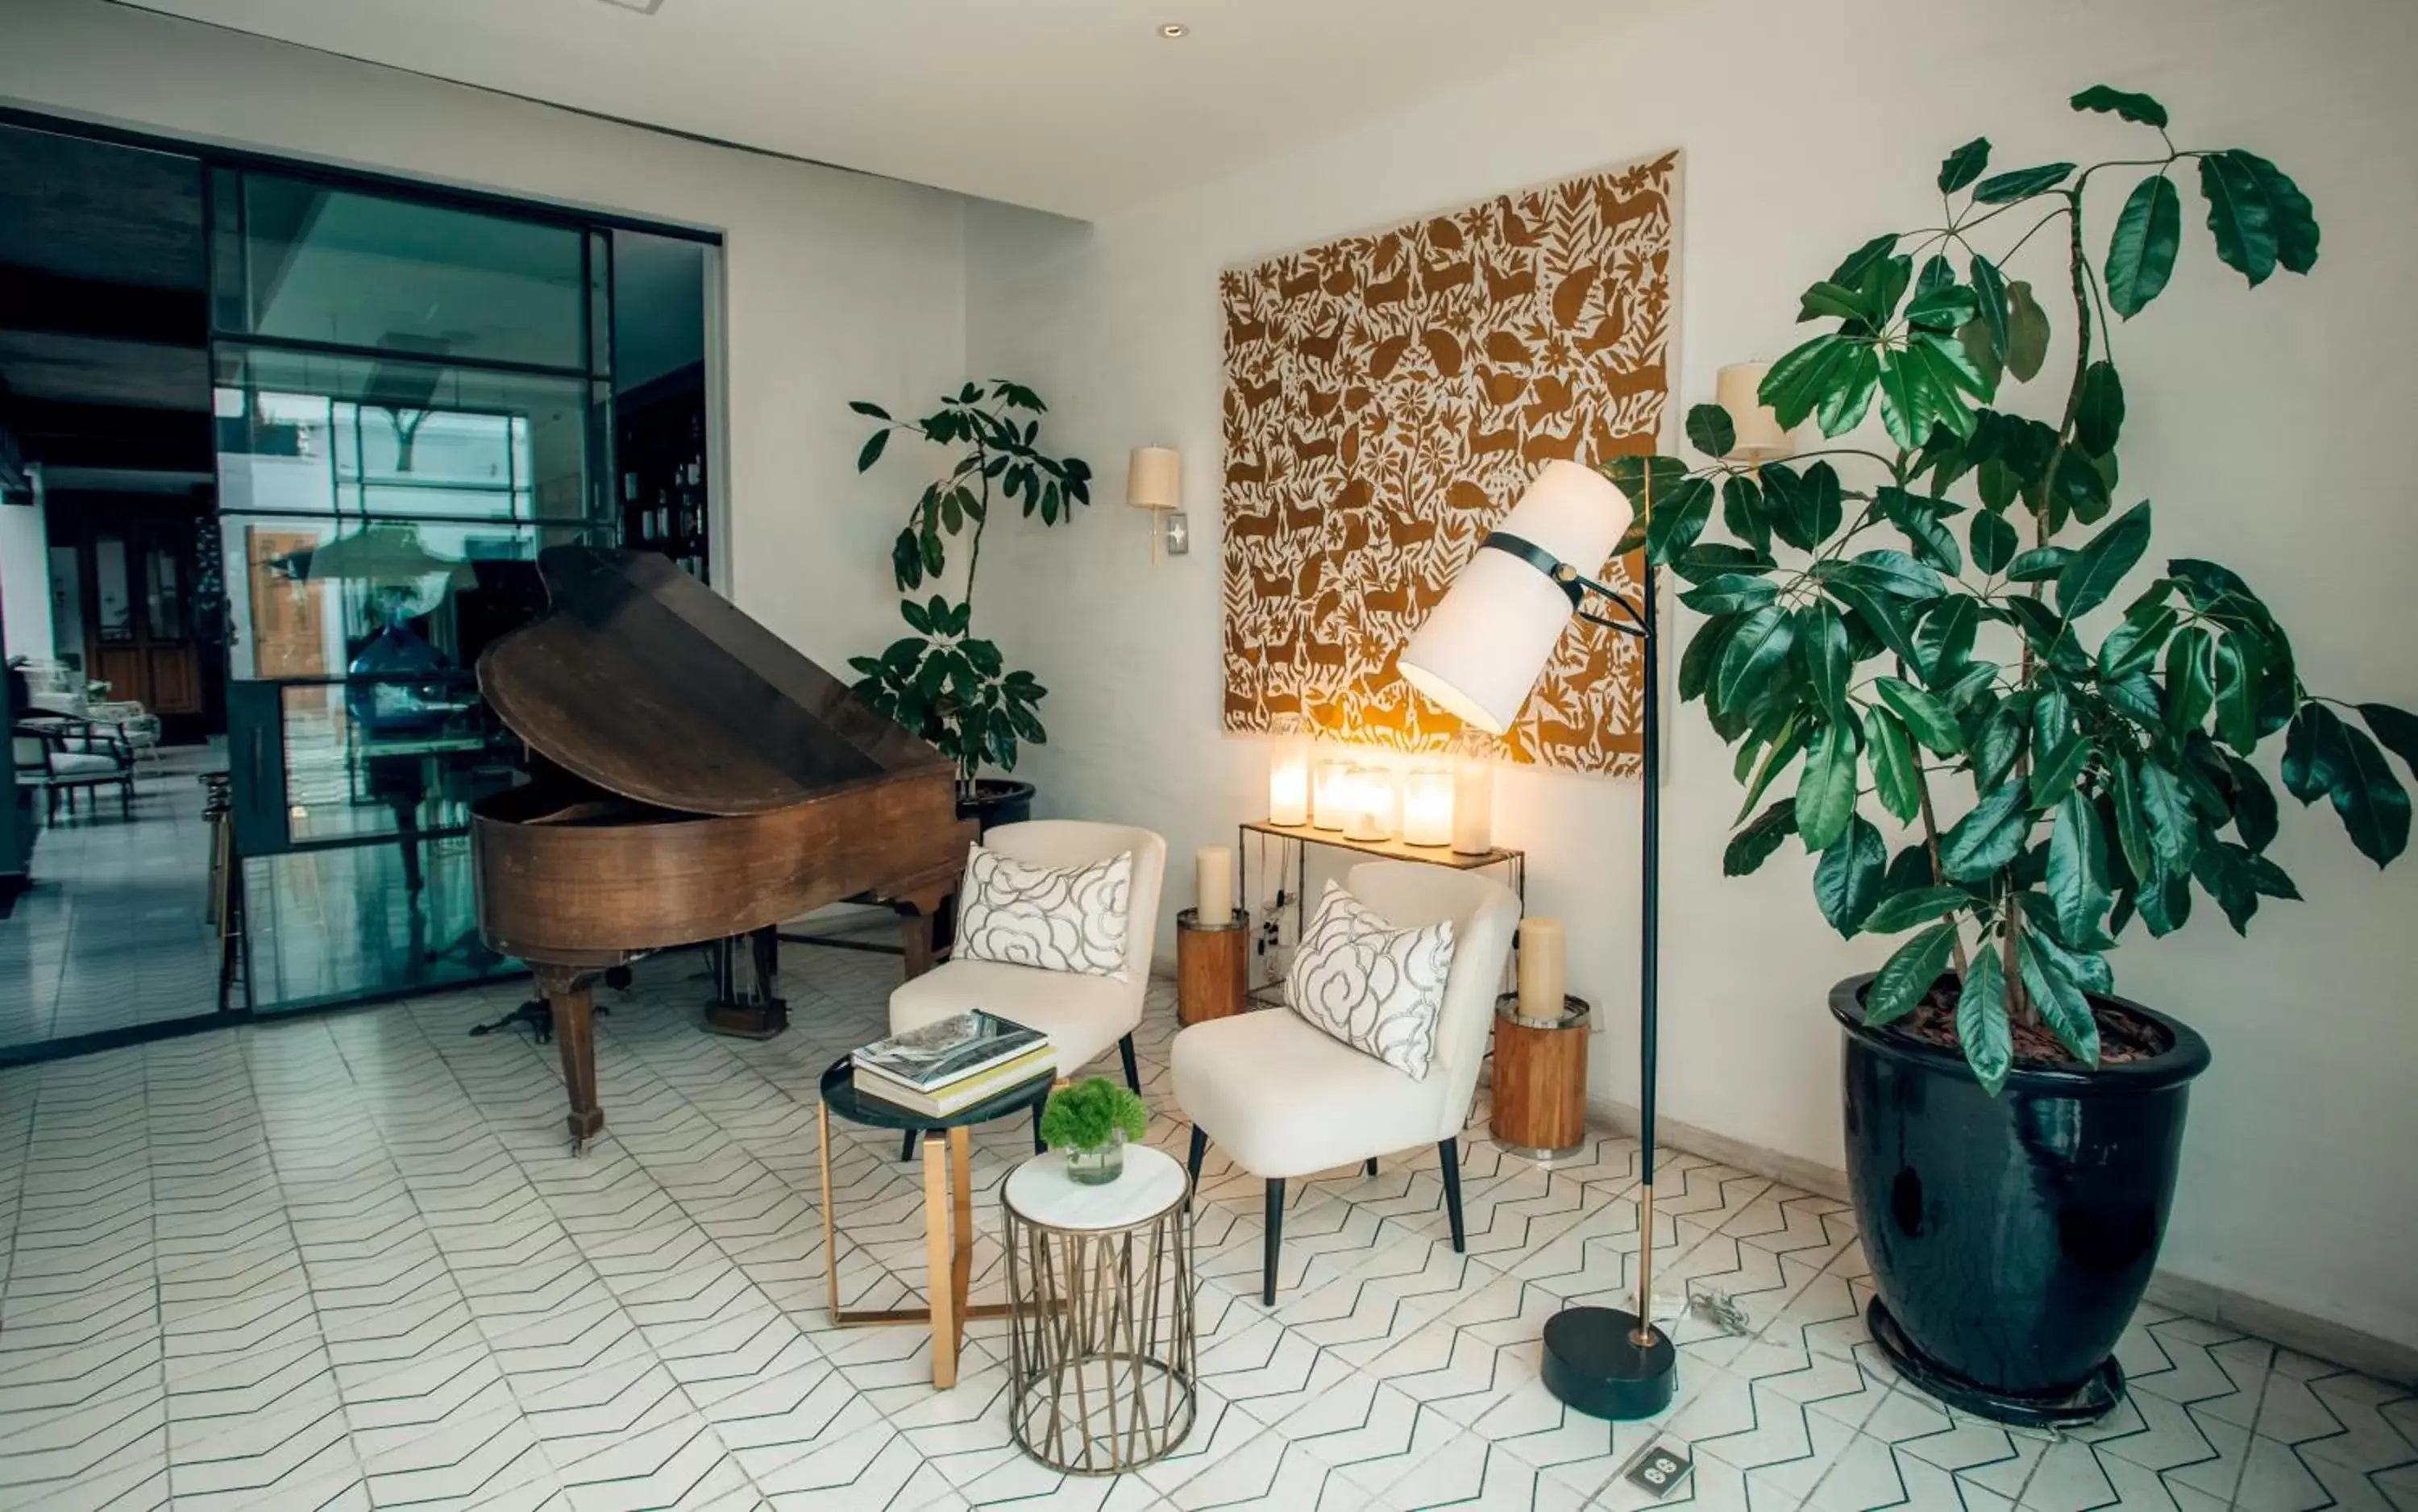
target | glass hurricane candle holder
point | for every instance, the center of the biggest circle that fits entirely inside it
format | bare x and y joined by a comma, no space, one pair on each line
1369,805
1327,784
1426,806
1289,769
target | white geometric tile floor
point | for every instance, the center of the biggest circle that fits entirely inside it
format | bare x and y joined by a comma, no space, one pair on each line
348,1262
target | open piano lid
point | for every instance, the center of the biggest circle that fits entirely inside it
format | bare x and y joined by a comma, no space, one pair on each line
645,682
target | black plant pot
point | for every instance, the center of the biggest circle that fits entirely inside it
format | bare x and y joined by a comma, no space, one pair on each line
998,800
2010,1238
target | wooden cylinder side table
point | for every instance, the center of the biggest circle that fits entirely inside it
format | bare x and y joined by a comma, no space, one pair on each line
1101,1360
1541,1079
1212,967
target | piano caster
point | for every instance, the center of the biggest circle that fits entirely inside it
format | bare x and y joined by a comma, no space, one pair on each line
617,978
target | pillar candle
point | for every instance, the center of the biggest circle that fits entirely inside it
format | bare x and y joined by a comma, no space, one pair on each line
1544,969
1368,804
1327,795
1214,869
1426,806
1473,806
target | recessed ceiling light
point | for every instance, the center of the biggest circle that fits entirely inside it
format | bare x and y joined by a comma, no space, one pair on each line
1174,29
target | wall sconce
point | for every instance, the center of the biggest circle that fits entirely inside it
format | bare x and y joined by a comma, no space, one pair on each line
1154,481
1760,437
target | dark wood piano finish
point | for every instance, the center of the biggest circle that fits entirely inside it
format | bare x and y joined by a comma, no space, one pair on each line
703,780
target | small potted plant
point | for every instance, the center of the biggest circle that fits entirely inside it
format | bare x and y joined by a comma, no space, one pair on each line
1091,1121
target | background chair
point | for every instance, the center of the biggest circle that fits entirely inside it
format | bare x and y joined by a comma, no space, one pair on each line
78,753
1083,1014
1284,1099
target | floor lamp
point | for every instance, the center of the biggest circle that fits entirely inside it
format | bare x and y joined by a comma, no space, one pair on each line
1480,656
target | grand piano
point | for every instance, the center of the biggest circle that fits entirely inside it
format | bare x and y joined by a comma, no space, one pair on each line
695,779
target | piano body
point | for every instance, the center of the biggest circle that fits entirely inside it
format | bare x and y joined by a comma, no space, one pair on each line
699,779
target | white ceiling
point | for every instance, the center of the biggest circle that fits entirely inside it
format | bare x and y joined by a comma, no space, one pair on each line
1076,106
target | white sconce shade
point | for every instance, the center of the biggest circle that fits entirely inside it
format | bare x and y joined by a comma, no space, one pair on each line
1480,655
1155,478
1760,437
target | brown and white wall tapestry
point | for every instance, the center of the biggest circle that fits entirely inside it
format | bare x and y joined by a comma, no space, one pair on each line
1387,396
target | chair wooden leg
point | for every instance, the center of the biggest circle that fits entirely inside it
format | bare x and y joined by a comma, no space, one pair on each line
1275,1241
1193,1158
1133,1072
1448,1153
1370,1169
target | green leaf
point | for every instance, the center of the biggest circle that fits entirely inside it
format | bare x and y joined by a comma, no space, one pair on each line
1847,880
1997,744
1678,519
2174,827
1645,479
2238,216
871,451
2021,183
1990,288
2078,868
1987,838
2060,1002
866,407
2098,416
1993,541
1822,641
2132,107
1946,638
2027,332
2374,806
1757,650
1751,846
2223,872
1850,396
2313,753
1784,747
1704,653
1908,974
1920,520
2135,643
1982,1025
1963,166
1742,512
1825,794
1708,559
2142,253
2100,566
1802,377
1929,720
1946,307
1710,430
1890,571
1896,779
1731,593
1921,905
2396,727
2191,678
1908,405
2237,691
2288,212
1851,271
2038,565
2253,803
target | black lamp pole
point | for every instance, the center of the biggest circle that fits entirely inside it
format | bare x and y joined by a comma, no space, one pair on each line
1602,1361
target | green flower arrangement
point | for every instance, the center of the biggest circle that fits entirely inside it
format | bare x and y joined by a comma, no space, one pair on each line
1088,1115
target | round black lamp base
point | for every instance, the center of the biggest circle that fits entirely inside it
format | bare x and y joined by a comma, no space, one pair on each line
1594,1365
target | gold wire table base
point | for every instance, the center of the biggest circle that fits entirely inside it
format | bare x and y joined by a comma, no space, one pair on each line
1101,1350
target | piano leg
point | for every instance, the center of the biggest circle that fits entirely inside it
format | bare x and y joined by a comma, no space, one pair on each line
569,994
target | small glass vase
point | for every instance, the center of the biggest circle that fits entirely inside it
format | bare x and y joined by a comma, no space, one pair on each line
1097,1165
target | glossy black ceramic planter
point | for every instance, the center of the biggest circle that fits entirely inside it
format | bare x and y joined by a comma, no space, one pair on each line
998,800
2010,1238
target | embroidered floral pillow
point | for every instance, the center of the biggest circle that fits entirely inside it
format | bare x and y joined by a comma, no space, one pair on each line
1057,919
1377,989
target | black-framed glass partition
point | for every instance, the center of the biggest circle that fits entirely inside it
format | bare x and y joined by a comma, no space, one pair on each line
411,400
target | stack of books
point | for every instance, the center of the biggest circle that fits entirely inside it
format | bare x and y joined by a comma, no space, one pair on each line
946,1067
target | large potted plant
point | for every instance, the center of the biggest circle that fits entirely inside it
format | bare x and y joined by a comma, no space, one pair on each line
944,682
1951,637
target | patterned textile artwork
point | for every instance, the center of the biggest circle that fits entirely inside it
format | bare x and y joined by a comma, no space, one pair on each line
1387,397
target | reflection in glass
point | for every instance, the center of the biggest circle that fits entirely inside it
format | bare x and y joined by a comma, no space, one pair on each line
163,599
344,267
333,923
382,754
304,433
114,597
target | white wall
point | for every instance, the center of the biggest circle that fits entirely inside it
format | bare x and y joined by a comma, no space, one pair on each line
25,580
2259,422
837,285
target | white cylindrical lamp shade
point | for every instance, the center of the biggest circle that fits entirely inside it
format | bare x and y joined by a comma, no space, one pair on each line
1760,437
1426,806
1480,655
1155,478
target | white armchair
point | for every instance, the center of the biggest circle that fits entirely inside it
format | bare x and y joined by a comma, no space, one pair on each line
1083,1014
1283,1099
